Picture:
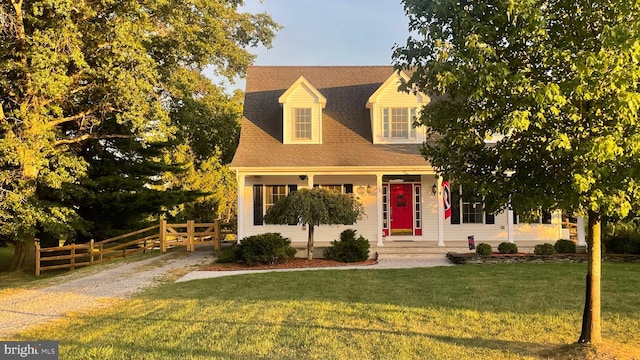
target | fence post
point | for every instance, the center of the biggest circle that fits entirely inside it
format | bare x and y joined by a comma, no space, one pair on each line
37,259
190,240
163,235
218,236
91,252
73,257
101,251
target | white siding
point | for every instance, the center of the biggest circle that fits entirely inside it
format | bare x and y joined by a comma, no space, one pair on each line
369,227
498,232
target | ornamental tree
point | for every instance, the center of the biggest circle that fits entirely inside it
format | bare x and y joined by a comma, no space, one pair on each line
535,104
314,207
81,74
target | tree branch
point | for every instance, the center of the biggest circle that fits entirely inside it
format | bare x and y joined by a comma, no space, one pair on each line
85,137
72,118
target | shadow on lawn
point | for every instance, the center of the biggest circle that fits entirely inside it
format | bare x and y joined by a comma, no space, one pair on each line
185,346
520,288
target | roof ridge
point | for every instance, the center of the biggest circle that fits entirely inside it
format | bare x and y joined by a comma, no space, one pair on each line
321,66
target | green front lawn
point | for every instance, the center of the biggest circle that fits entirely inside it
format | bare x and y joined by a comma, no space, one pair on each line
519,311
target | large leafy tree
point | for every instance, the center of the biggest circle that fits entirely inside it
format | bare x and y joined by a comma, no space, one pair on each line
315,207
535,104
208,128
210,178
81,74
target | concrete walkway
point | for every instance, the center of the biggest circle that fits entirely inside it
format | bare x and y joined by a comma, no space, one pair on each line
390,263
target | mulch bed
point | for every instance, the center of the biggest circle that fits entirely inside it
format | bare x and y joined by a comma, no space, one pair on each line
297,263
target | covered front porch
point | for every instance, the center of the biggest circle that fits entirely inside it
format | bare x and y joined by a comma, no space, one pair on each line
405,211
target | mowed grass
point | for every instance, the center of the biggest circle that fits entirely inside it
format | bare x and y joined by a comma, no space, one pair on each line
519,311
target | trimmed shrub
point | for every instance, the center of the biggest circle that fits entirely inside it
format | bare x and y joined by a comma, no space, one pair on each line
565,247
508,248
231,254
484,249
267,248
623,245
544,249
348,248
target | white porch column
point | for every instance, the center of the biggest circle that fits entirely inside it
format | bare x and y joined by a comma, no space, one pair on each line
581,237
379,208
241,213
510,225
310,181
440,200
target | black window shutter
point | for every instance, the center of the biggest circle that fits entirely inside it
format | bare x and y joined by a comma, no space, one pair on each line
348,188
455,205
257,204
489,218
546,217
515,216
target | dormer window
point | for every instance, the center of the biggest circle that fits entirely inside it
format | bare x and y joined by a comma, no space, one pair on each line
393,113
302,106
302,124
397,123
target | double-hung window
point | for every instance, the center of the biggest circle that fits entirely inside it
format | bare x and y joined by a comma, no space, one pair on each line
467,208
397,123
264,196
302,123
472,211
273,194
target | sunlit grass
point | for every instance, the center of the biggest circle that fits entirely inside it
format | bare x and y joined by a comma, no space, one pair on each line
463,312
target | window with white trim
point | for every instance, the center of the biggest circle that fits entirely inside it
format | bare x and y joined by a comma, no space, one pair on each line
385,210
273,194
472,211
397,122
264,196
302,124
467,208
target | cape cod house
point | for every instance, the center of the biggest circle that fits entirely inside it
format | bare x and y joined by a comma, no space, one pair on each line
348,128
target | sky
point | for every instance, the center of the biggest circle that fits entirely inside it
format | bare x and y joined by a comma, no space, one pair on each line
331,32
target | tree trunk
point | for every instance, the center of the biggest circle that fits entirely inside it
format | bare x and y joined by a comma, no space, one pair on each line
591,330
24,255
310,243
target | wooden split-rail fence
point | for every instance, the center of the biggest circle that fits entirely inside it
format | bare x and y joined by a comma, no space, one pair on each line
158,237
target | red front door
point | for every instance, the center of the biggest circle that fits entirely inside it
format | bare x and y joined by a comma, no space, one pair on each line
400,204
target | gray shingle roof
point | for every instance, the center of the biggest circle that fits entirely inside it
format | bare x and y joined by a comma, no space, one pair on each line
346,125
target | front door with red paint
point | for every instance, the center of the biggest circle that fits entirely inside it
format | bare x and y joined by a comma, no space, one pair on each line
400,204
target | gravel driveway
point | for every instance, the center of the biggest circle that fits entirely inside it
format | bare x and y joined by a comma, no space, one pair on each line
21,308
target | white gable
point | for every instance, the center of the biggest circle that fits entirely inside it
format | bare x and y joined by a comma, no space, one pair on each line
387,104
302,99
